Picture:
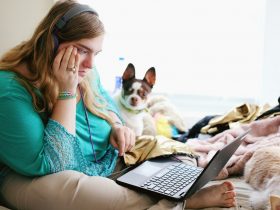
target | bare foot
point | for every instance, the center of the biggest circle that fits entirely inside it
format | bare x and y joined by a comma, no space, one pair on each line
221,195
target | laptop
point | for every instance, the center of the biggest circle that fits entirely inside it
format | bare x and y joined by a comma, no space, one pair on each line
169,178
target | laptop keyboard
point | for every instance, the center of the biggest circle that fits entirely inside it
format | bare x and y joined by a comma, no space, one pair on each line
172,179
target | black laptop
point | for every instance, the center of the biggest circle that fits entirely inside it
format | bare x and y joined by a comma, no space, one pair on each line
169,178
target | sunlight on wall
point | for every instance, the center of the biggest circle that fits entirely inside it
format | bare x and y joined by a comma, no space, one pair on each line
200,47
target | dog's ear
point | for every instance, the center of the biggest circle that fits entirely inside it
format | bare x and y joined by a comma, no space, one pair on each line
129,72
150,77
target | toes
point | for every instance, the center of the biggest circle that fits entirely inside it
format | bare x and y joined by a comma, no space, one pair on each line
228,186
229,195
230,202
228,205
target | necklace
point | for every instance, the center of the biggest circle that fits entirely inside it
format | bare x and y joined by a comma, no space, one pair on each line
89,130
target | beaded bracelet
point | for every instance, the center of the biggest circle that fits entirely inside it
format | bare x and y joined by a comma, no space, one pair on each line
63,95
117,123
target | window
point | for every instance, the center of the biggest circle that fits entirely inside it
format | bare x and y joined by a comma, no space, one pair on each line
198,47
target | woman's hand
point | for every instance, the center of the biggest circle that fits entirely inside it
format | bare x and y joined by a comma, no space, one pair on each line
122,138
65,67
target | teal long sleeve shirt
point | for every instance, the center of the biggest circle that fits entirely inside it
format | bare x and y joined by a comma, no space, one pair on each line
33,148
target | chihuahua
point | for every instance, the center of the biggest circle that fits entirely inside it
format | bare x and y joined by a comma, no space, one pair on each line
132,99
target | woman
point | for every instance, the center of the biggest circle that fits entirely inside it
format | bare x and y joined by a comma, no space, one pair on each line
60,132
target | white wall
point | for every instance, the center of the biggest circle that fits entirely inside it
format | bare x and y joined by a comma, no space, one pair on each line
208,48
271,69
18,19
240,38
244,50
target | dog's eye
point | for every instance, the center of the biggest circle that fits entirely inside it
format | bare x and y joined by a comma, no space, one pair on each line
142,93
129,91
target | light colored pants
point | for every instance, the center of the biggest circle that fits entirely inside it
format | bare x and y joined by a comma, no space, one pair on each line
71,190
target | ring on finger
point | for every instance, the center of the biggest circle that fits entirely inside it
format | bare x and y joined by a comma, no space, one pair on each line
73,69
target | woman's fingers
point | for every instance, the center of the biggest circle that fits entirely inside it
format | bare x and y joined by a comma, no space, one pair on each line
121,142
57,60
76,62
129,138
72,61
123,138
65,68
66,58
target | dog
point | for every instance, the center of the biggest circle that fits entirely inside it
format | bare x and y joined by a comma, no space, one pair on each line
132,100
262,172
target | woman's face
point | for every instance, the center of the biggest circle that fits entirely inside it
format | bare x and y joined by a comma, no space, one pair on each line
87,50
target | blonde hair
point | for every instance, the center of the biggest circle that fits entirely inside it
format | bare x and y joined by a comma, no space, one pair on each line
39,51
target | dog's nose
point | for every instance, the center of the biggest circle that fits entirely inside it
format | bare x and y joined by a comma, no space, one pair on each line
134,101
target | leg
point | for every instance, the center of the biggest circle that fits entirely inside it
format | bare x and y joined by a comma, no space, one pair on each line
221,195
70,190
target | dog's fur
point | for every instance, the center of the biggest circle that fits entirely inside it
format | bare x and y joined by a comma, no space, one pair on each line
132,100
262,172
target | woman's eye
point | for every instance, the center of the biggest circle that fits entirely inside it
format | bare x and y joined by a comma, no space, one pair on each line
82,51
96,53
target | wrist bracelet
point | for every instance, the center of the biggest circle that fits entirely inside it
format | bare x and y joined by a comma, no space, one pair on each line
118,123
63,95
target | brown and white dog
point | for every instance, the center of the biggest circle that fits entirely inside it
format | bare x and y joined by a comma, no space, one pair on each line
132,99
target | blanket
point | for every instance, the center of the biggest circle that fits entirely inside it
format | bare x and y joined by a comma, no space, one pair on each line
265,132
148,147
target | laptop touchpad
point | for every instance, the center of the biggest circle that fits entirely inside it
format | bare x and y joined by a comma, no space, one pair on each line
147,169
